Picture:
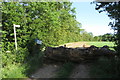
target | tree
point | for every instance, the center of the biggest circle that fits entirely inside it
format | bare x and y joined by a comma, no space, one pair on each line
86,36
113,11
107,37
52,22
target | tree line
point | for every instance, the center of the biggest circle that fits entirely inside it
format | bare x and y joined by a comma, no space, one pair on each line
105,37
52,22
113,12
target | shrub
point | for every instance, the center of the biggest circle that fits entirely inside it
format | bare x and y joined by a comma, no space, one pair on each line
12,63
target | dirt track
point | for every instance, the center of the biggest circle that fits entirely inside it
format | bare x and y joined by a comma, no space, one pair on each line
49,71
81,71
77,44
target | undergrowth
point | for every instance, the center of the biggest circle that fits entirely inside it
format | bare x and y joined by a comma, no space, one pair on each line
34,63
18,63
13,71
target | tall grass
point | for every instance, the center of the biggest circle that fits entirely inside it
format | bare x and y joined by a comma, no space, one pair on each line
13,71
18,64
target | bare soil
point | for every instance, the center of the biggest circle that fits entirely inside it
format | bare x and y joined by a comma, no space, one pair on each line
47,71
81,71
77,44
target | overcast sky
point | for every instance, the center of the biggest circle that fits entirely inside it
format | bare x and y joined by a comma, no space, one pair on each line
91,19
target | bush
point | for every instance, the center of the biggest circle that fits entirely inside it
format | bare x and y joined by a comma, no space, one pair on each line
21,55
12,63
15,56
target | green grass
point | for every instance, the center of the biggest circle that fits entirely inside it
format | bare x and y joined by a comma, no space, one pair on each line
13,71
100,44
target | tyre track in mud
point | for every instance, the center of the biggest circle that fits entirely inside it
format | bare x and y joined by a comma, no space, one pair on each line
50,70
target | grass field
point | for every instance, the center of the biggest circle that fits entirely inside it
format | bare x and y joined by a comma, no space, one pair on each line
100,44
104,67
88,43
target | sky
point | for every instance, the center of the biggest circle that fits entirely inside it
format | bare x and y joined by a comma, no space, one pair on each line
91,19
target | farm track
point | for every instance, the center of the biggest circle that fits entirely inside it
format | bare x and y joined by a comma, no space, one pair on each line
47,71
81,71
50,70
77,44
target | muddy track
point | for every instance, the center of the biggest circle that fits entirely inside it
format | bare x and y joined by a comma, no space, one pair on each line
47,71
81,71
50,70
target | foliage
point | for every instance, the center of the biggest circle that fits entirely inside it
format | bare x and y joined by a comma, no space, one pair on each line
11,63
17,64
113,11
105,37
52,22
13,71
14,57
85,36
97,38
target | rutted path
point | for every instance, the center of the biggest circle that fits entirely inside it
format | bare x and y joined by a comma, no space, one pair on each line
81,71
49,70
